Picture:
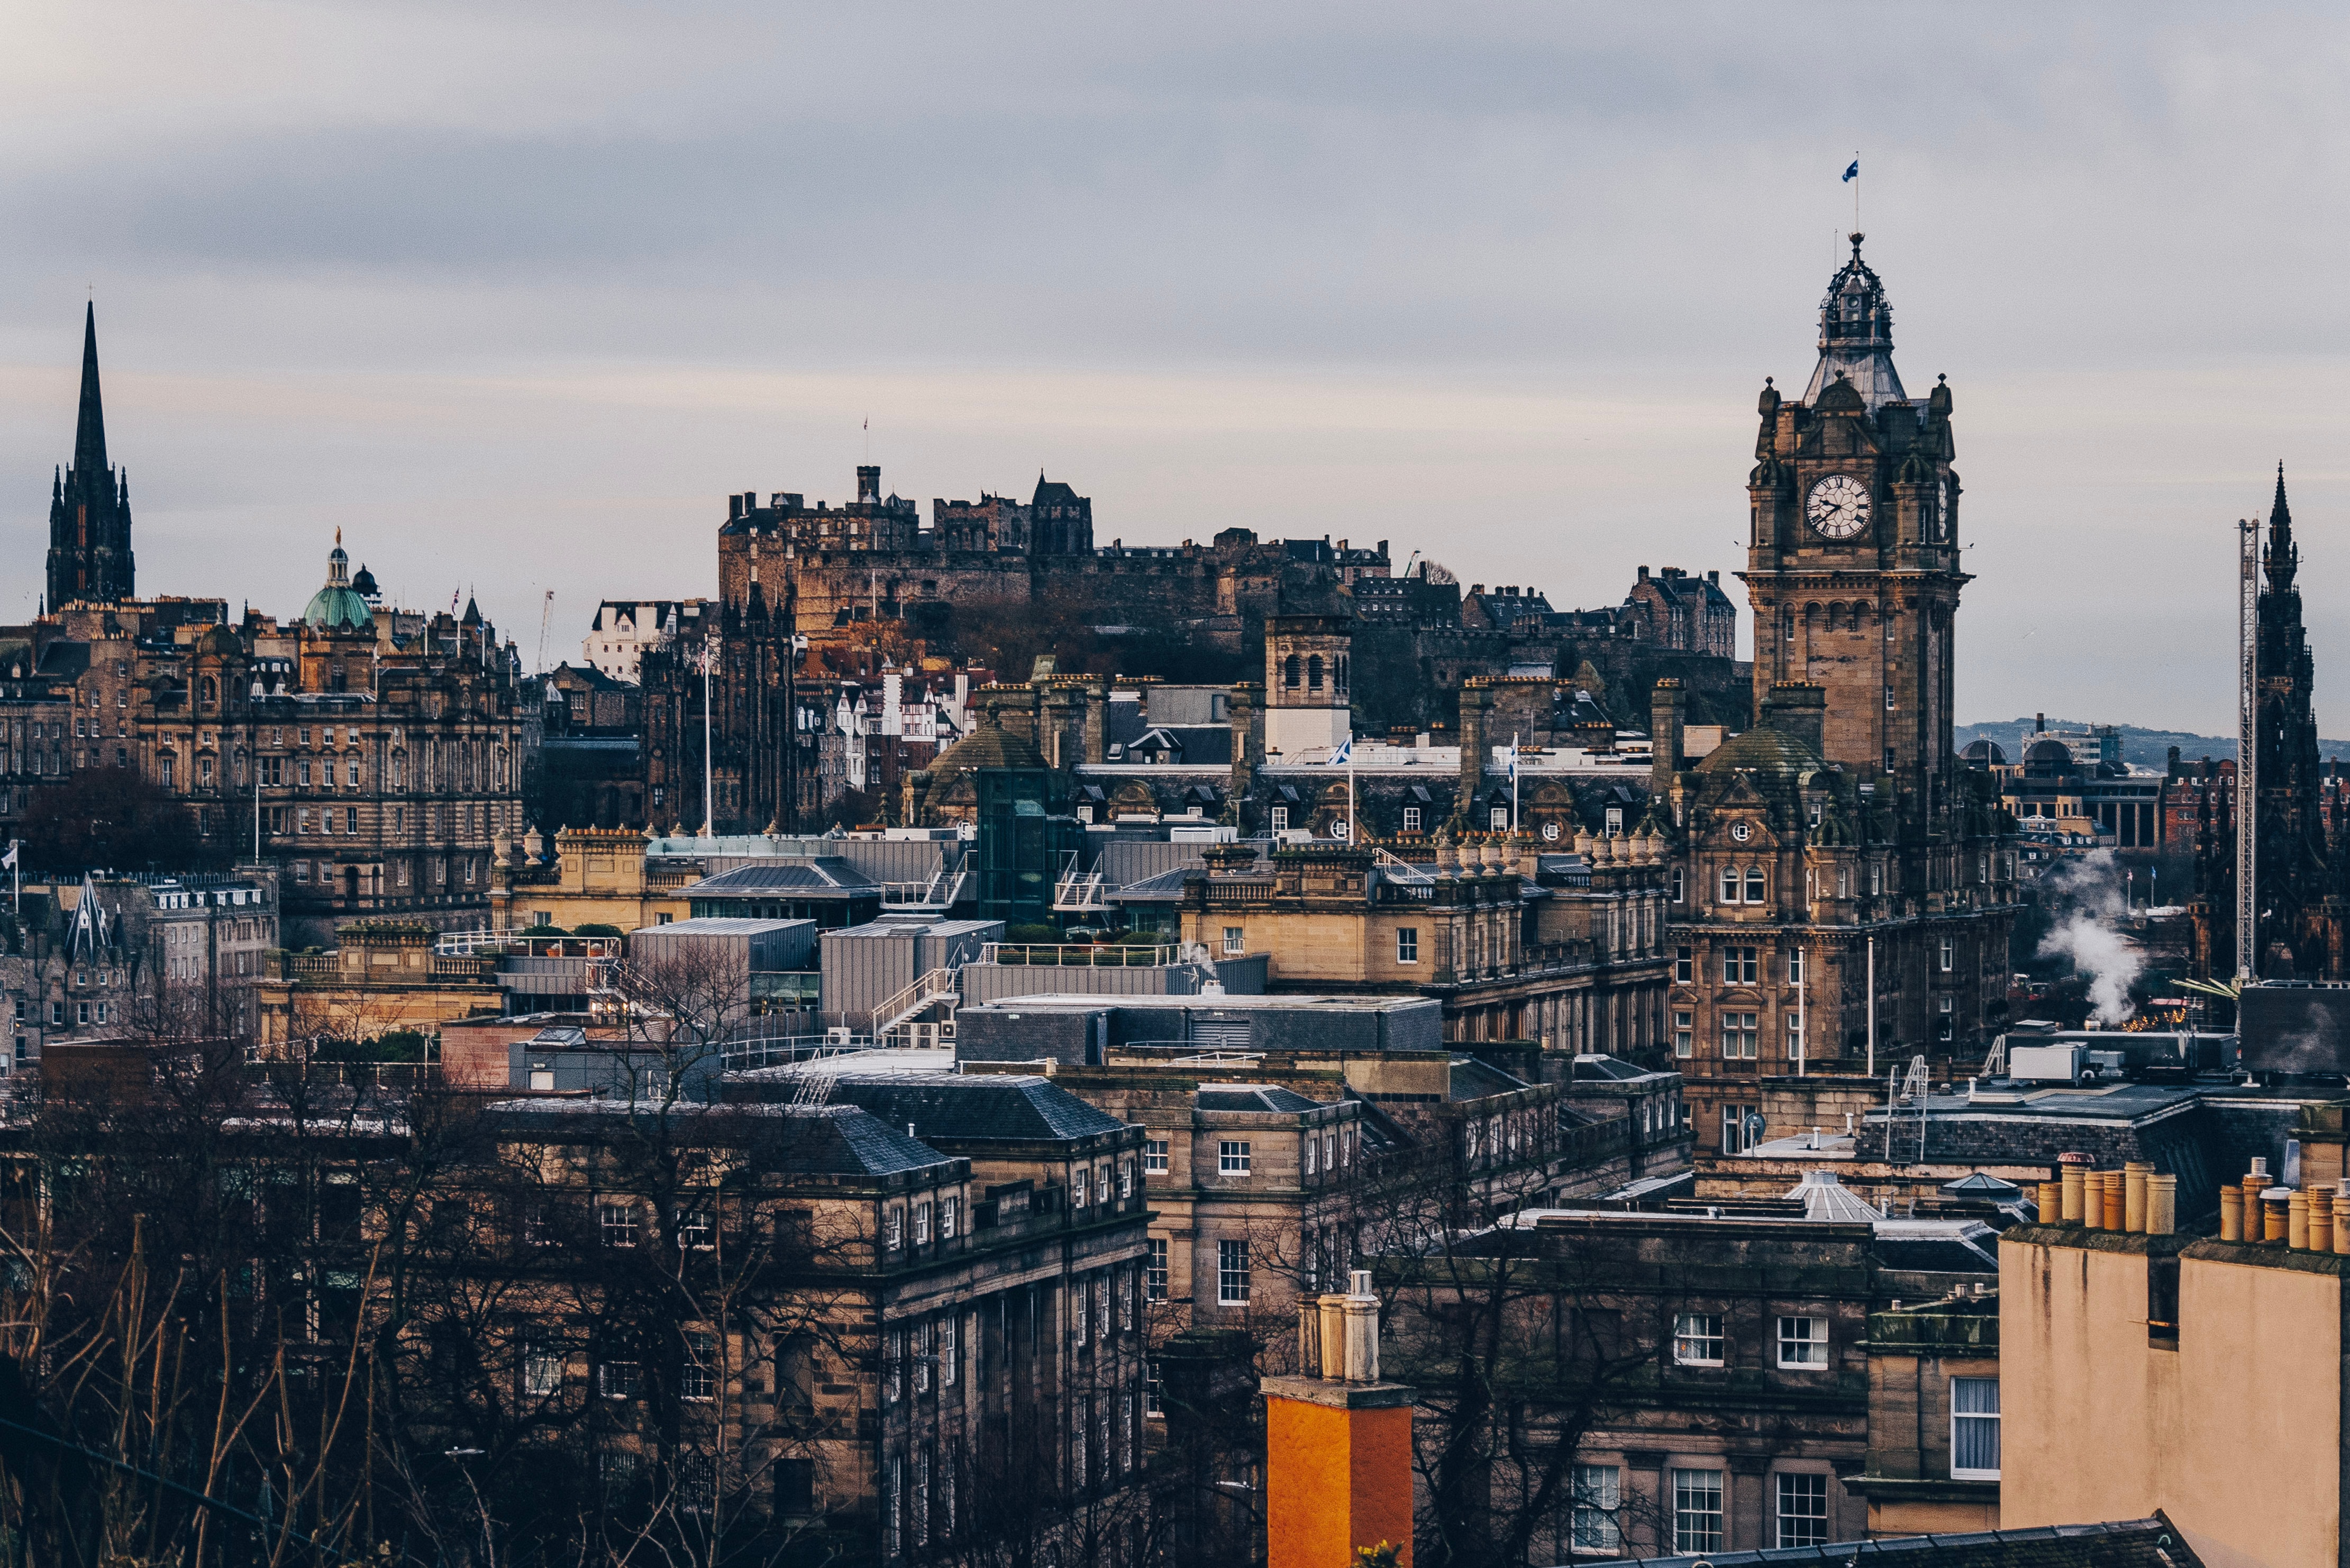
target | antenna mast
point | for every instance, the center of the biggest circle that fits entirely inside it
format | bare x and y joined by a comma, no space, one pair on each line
2248,746
546,616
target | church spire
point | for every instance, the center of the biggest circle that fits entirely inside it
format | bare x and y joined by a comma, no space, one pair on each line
89,434
2284,555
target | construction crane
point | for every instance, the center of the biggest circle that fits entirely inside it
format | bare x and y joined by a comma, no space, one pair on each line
545,618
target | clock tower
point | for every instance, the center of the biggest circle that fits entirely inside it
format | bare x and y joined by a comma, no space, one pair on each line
1853,563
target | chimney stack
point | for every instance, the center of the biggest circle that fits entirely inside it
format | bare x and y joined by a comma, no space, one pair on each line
1338,1445
1667,705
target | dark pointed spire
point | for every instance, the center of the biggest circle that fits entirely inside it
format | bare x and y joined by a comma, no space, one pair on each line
89,434
2283,557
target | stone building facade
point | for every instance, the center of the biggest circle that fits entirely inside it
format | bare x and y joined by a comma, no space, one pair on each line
1842,885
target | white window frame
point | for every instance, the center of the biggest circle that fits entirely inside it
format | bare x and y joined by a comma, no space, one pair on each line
1233,1157
1406,944
1806,1338
1956,1416
1235,938
1811,1528
1692,1528
1232,1273
1154,1270
1693,1332
1598,1493
1280,819
1684,1032
1411,819
1154,1155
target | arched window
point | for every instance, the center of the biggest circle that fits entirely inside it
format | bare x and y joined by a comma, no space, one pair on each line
1314,673
1289,672
211,691
1729,884
1341,676
1754,884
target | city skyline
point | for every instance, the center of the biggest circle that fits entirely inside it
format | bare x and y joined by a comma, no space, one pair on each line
1514,318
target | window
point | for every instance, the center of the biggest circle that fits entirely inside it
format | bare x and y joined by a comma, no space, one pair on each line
1154,1157
1154,1391
947,1216
1697,1339
1754,894
1125,1178
921,1224
617,1379
950,1351
1803,1510
1795,1037
893,1384
1684,1037
1949,952
1313,1147
1499,822
1876,880
1803,1343
542,1369
1280,819
1597,1494
617,1222
697,1378
1235,938
1729,885
1411,819
1697,1510
1232,1158
1738,966
1080,1188
1974,1428
1794,966
925,1353
350,819
1232,1273
1738,1036
1406,944
1680,884
693,1230
1684,966
1154,1278
893,1227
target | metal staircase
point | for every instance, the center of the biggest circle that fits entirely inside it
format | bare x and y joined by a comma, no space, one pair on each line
894,1022
1401,872
1080,892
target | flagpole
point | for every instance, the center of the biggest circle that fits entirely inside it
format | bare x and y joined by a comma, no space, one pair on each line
1514,780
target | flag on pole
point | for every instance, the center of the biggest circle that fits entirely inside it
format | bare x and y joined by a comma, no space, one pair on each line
8,861
1343,754
1852,173
1510,754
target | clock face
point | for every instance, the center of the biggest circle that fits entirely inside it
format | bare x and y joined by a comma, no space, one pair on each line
1838,507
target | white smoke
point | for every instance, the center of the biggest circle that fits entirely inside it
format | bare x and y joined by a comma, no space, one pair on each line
2084,898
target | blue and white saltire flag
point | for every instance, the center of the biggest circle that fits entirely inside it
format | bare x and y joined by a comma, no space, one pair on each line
1512,755
1343,754
1852,173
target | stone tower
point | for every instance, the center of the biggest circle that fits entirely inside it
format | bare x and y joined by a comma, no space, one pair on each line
1841,891
1853,566
1307,702
2301,876
89,505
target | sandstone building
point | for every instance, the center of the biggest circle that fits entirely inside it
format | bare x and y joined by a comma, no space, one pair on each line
1840,880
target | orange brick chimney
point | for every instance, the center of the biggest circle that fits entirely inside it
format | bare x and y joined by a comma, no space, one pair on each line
1337,1446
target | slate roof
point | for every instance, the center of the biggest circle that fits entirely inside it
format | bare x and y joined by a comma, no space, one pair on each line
1589,1067
951,1108
799,1140
2153,1542
1474,1080
1254,1098
806,878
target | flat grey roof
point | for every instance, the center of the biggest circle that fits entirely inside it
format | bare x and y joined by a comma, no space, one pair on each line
1062,1001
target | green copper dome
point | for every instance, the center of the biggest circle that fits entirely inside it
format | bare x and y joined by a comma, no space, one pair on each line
338,606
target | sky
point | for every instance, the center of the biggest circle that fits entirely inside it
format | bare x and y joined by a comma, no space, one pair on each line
516,294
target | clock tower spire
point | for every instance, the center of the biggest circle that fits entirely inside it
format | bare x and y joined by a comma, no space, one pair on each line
1853,559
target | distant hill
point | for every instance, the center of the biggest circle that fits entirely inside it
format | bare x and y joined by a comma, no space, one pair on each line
2143,748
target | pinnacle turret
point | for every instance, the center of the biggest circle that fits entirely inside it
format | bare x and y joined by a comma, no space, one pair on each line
89,503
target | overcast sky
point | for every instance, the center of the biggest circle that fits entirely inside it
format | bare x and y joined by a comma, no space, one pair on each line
516,294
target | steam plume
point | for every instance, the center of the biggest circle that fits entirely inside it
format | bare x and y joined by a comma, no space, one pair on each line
2087,897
